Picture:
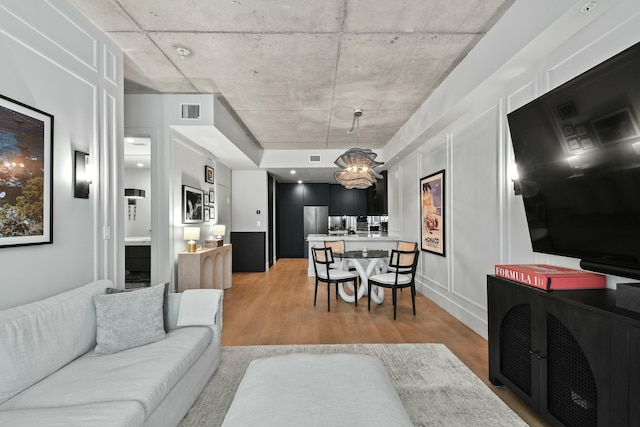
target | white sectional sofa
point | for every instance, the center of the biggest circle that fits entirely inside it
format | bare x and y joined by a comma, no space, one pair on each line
50,374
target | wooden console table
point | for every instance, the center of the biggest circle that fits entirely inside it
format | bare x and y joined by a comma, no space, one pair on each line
208,268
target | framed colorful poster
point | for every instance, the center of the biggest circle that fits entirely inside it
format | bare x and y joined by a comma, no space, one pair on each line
432,213
26,175
192,205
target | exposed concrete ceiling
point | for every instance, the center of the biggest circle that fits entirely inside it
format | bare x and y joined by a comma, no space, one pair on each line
294,70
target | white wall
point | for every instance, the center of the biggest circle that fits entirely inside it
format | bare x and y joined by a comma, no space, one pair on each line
250,195
466,133
223,199
189,160
176,161
55,60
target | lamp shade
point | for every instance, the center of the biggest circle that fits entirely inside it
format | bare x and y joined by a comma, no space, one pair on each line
219,230
191,233
134,193
357,164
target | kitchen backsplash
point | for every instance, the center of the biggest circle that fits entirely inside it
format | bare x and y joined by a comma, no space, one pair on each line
358,223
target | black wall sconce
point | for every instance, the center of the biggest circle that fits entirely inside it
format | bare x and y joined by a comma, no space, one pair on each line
81,175
517,188
132,194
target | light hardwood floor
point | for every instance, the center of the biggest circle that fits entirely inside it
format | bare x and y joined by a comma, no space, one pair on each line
277,308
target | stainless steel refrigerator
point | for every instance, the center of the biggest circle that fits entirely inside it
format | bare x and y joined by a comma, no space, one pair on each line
316,221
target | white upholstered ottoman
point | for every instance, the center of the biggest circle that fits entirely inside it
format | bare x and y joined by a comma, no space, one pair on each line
316,390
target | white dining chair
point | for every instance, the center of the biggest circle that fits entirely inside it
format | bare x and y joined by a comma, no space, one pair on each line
403,274
322,261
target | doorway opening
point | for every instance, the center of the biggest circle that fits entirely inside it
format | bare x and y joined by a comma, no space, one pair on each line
137,215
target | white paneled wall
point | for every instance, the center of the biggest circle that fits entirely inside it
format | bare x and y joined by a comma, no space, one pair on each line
55,60
515,223
434,268
393,201
485,220
473,204
410,227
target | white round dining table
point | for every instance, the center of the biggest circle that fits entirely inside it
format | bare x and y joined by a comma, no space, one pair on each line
366,263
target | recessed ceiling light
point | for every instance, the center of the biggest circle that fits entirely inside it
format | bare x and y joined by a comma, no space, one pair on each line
182,51
299,181
292,172
140,165
588,7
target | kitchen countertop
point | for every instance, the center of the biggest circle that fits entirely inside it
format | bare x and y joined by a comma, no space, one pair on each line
137,241
373,240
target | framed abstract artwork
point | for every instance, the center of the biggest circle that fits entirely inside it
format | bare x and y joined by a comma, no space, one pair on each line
26,174
432,213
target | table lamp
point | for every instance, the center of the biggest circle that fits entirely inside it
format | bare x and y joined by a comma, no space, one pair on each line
218,231
191,234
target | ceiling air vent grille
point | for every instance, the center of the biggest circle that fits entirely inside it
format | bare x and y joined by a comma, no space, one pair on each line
190,111
314,158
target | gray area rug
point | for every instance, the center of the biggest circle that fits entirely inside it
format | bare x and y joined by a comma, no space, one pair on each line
436,388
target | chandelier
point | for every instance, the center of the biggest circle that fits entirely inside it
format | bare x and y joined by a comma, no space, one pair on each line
357,164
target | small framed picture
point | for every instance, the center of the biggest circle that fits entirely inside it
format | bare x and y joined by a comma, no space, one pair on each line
206,215
566,110
582,129
212,197
206,200
573,143
586,143
208,174
568,130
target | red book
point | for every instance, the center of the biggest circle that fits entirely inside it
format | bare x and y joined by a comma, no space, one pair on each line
551,277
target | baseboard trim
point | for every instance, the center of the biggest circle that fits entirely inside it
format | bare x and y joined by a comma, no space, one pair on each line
473,321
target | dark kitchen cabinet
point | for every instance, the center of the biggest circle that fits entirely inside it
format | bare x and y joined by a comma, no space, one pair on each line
351,202
291,200
571,355
315,194
377,197
358,202
335,200
289,207
346,201
634,376
137,264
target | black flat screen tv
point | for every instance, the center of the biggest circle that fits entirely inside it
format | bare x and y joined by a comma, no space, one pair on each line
577,150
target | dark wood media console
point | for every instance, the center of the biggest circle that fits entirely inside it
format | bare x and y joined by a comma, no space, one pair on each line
572,355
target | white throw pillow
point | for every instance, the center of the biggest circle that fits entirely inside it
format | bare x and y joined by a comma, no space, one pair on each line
129,319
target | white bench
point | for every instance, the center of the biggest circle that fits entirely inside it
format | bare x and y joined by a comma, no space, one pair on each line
316,390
